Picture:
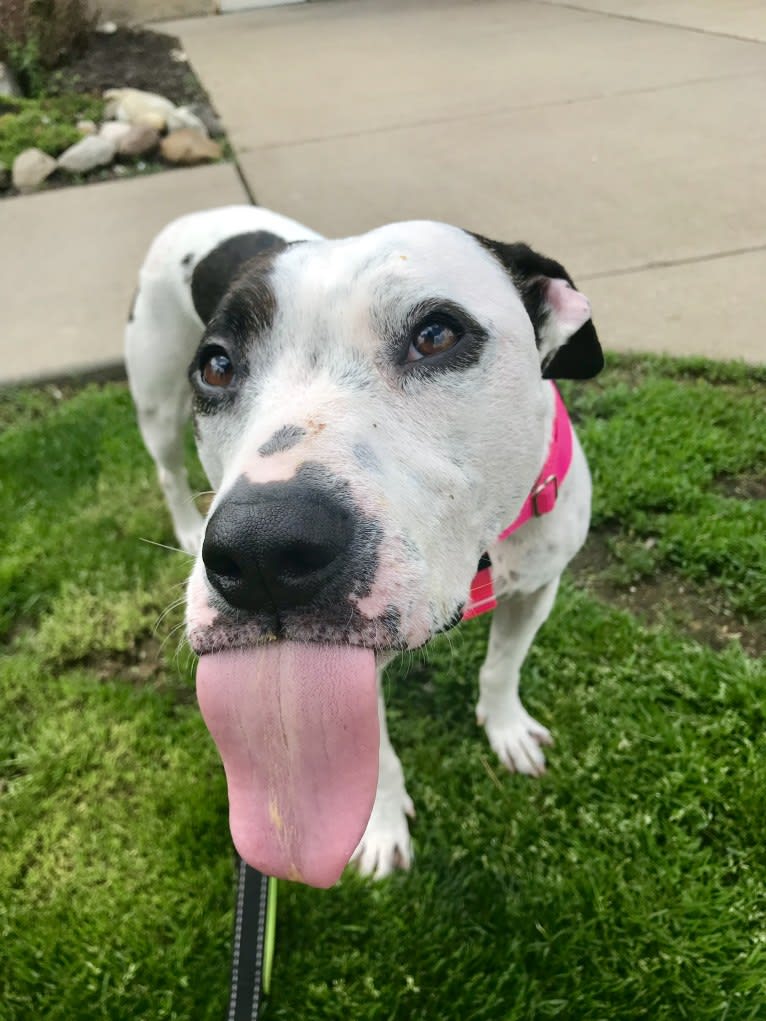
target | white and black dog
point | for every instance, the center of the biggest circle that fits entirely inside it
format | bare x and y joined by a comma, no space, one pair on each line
375,417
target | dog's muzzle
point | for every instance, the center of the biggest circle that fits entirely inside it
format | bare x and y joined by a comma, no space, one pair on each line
279,546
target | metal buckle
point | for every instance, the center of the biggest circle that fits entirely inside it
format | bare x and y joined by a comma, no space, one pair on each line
539,490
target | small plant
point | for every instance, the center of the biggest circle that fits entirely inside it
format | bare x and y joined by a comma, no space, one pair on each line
36,35
48,124
24,58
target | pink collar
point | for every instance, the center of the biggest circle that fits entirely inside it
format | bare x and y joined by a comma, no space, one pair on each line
541,500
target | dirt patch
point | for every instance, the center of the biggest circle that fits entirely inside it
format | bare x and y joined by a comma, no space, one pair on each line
135,58
668,598
742,487
143,667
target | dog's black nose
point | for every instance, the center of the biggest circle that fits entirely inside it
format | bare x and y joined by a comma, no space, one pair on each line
276,546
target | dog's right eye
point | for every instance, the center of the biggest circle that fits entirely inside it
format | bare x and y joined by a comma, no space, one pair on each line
216,368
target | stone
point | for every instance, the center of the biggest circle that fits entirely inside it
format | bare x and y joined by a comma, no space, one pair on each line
107,27
87,127
139,141
156,121
87,154
5,176
8,84
187,147
138,107
184,117
115,131
31,168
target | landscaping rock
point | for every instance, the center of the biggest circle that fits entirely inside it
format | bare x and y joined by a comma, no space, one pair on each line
156,121
31,168
87,154
184,117
5,177
138,107
87,127
187,147
115,131
8,83
139,141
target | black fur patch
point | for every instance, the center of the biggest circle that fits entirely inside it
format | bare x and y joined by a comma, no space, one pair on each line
581,356
283,439
484,562
214,274
454,620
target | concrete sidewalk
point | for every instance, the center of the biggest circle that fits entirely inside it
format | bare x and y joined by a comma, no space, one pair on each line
631,150
626,139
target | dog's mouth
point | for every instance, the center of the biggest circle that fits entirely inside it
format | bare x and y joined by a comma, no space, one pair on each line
296,726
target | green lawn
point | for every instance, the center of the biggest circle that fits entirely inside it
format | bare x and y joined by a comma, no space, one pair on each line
629,882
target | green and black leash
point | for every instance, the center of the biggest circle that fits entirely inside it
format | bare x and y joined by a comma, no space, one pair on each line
255,919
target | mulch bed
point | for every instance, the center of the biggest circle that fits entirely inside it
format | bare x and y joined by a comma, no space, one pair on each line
129,57
132,57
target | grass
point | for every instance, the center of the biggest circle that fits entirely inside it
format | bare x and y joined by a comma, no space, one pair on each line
630,882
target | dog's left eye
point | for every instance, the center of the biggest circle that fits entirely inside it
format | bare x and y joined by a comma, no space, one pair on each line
432,338
216,368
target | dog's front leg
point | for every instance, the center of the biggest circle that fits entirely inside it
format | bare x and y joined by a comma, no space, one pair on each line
515,736
386,844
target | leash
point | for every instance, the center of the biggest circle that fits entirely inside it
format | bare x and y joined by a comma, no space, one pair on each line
255,918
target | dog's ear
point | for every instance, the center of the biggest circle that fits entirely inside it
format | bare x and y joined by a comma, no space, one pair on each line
561,316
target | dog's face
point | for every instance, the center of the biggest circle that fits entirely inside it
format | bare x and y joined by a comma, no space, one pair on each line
371,413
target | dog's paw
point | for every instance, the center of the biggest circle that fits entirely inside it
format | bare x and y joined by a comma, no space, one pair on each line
386,844
517,739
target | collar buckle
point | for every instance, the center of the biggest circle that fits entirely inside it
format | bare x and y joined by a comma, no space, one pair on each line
544,497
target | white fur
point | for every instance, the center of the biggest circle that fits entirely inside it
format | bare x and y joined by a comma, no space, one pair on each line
461,450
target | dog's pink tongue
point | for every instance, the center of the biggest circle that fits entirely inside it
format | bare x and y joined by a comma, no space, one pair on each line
297,729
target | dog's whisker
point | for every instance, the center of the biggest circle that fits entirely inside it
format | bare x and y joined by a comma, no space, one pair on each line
191,499
162,545
183,648
173,631
168,609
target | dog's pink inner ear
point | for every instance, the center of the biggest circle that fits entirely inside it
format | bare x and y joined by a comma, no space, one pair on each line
569,309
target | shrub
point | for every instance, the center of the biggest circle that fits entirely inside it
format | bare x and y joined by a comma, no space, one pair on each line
36,35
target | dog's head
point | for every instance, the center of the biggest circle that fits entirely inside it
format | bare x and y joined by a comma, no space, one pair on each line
372,412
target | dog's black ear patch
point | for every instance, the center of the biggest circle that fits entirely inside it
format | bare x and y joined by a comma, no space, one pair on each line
566,337
580,357
214,274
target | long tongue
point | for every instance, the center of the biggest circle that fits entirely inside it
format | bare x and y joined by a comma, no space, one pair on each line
297,729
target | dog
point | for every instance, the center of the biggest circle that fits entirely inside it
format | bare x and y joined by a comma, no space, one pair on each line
377,417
